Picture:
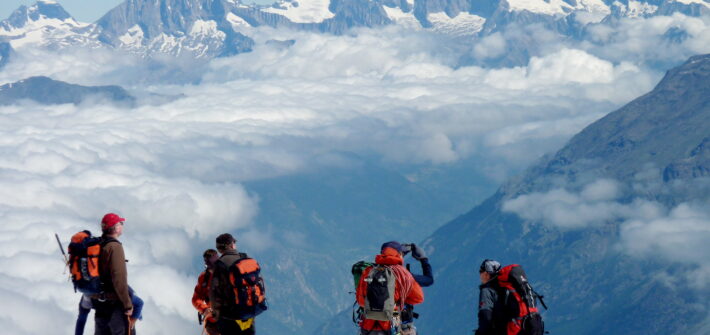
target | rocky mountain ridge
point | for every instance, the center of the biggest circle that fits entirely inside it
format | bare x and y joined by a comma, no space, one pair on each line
44,90
214,28
567,220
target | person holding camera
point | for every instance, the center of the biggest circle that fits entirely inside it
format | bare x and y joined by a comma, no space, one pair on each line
424,280
427,277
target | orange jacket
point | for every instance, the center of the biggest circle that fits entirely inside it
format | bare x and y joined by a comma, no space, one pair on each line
200,298
415,295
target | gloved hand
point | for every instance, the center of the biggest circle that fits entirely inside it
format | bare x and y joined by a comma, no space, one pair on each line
417,252
207,313
406,248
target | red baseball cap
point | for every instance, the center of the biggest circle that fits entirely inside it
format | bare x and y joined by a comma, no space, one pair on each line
111,220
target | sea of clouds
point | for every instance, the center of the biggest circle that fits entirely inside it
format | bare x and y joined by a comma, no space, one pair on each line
649,228
176,170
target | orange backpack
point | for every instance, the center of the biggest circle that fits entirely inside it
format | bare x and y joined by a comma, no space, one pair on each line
84,262
248,288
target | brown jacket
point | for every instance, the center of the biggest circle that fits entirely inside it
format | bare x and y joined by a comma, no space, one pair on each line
113,273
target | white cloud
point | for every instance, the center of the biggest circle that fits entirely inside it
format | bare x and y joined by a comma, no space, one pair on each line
648,229
63,167
23,316
595,205
175,170
658,38
491,46
573,66
680,236
165,288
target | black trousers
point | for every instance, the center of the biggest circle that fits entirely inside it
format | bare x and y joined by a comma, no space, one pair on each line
210,328
110,318
230,327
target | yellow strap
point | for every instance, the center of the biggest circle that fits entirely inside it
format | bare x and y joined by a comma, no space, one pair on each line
246,324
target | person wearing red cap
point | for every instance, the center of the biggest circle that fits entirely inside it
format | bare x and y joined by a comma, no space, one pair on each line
113,306
406,289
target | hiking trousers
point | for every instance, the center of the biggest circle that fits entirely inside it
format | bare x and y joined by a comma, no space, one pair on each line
82,318
230,327
211,328
408,331
110,318
375,332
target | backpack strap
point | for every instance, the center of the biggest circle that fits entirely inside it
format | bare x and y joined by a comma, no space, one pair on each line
221,271
242,257
226,266
107,240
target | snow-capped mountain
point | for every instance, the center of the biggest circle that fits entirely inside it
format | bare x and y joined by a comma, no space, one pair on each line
45,24
199,27
43,12
213,28
5,53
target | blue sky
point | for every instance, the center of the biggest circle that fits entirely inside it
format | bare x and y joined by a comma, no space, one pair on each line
82,10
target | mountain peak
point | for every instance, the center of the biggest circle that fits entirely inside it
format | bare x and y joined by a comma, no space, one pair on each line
687,75
659,129
41,10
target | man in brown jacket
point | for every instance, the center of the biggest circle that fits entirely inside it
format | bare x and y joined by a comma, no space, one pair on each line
113,306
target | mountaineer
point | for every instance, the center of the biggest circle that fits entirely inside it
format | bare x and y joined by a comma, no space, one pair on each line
237,293
425,279
200,298
383,291
507,302
113,306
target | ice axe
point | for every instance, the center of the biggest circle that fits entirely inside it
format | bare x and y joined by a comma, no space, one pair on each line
61,248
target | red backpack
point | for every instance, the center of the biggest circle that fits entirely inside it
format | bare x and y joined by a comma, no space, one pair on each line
520,302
